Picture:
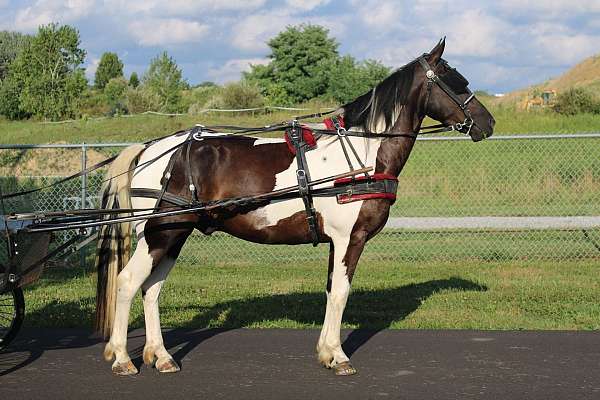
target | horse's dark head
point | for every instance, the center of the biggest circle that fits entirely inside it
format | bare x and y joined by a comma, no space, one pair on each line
447,98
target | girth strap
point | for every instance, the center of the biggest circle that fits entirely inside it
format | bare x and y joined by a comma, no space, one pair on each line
188,166
303,177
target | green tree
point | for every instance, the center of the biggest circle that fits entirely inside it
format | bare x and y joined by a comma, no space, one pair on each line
346,79
11,44
134,81
164,80
48,73
10,107
109,67
114,91
296,56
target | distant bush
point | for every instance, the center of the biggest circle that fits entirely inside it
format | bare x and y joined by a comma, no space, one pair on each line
241,95
139,100
93,104
576,101
197,97
215,101
114,91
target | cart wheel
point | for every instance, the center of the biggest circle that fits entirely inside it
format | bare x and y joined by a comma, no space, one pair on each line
12,312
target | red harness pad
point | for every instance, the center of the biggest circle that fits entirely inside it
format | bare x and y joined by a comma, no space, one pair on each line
308,137
350,197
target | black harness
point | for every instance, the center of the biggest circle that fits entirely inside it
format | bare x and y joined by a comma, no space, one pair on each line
303,176
433,78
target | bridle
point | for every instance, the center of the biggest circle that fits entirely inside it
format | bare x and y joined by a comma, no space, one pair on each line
433,78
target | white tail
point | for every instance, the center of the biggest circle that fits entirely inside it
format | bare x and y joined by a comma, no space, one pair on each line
114,245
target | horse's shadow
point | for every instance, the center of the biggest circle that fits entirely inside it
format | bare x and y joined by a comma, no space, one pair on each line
370,311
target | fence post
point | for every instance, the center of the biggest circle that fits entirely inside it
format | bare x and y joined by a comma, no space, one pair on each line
83,196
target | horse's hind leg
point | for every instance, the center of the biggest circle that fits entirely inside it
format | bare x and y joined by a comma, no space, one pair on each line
129,281
165,246
154,350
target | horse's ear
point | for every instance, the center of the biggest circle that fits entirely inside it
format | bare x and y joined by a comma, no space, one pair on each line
436,53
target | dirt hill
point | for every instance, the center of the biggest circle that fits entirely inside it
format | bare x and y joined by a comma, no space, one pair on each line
585,74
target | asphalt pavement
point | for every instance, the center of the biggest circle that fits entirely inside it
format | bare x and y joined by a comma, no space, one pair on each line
281,364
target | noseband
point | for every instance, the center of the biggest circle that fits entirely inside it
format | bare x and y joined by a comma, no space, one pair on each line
432,77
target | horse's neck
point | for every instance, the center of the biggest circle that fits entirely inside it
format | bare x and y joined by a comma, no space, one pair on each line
394,152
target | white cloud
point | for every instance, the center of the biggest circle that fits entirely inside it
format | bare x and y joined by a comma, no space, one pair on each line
90,69
306,5
566,49
550,8
160,8
232,69
157,32
380,14
252,33
482,35
43,12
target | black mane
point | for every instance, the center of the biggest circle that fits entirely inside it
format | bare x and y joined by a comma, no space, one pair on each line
383,102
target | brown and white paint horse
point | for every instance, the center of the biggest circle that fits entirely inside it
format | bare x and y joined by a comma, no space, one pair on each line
225,167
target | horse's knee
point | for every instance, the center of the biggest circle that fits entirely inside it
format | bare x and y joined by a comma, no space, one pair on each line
151,292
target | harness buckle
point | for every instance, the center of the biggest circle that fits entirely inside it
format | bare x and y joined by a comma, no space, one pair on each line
341,131
302,182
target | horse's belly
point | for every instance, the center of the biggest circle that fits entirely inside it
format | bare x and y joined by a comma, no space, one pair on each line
285,222
290,230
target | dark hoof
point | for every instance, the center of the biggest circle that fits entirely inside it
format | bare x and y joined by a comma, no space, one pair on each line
344,369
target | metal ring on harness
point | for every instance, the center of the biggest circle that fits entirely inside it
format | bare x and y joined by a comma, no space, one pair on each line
341,131
197,133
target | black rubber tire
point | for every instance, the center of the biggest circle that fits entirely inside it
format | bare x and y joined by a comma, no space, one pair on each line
12,313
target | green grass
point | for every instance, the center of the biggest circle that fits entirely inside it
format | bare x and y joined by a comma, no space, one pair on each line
460,295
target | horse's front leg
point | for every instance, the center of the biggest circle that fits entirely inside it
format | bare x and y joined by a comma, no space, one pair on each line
343,257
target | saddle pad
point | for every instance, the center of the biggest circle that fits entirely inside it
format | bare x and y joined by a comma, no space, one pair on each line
308,137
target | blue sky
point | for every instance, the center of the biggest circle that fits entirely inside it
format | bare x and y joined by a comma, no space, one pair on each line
498,45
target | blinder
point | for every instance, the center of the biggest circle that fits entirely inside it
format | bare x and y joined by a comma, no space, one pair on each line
444,81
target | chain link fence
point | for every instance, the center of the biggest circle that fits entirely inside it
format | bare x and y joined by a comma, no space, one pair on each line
506,198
